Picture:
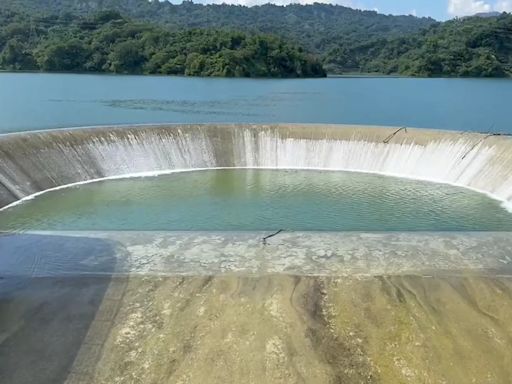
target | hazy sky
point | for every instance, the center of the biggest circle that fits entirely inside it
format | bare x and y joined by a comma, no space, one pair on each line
438,9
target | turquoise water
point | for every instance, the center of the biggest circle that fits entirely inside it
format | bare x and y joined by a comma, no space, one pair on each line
220,200
40,101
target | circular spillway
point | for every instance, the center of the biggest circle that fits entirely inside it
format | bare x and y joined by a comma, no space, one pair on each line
260,200
389,244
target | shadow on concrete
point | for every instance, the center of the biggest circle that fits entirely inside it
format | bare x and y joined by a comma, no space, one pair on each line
49,296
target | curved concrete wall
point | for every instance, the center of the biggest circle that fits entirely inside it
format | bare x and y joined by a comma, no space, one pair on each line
36,161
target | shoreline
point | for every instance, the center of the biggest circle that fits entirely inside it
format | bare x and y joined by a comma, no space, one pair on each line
328,76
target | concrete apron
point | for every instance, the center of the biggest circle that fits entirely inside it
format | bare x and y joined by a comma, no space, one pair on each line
150,307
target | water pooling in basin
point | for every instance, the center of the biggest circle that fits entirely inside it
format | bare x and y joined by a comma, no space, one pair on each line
251,199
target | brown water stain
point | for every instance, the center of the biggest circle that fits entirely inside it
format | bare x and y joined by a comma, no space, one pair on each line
288,329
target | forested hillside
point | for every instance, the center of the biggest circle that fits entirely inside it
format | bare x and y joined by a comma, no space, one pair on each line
315,26
107,42
474,46
343,39
319,28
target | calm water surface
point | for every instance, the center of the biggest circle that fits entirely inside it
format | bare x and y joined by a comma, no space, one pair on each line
260,200
41,101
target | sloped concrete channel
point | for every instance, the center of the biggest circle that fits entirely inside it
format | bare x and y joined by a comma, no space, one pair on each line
232,307
153,307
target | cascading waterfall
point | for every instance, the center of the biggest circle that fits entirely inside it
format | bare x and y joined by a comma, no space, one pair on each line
456,162
35,162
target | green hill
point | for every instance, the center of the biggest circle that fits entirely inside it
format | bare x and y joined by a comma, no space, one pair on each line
344,40
107,42
475,46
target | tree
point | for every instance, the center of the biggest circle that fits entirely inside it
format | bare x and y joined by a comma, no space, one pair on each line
16,56
63,56
127,57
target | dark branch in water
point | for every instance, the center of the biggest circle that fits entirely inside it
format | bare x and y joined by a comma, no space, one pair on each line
388,139
271,235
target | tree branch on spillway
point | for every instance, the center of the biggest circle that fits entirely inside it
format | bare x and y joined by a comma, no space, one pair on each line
388,139
271,235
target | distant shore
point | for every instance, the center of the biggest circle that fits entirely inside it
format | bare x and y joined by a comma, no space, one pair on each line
329,75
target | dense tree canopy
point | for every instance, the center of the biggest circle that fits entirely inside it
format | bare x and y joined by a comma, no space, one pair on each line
475,46
316,27
229,40
107,42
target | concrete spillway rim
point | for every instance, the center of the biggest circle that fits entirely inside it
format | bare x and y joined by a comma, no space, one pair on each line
233,124
108,126
504,203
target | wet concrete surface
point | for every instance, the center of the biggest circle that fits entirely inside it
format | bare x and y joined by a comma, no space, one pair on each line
49,298
445,326
43,324
252,253
290,329
266,329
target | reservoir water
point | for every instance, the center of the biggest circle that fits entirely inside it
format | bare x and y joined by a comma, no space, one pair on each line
30,101
252,200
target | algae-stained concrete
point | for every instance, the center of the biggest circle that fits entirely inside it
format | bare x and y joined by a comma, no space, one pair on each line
257,329
362,254
345,310
296,329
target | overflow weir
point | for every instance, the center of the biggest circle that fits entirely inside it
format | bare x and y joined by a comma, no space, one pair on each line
33,162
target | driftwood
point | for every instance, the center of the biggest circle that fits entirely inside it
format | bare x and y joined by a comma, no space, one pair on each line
487,135
271,235
388,139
